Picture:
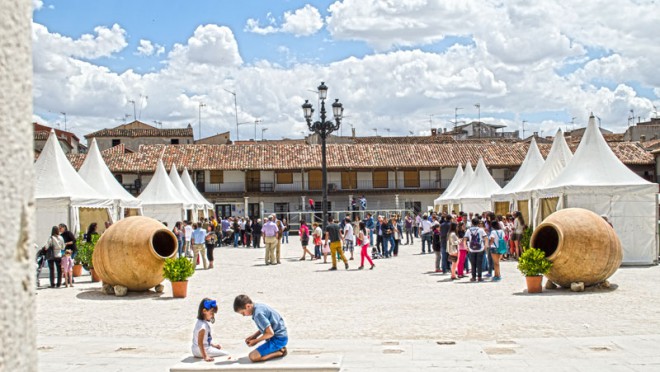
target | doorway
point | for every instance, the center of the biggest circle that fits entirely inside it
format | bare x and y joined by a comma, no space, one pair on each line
254,211
223,210
253,180
281,210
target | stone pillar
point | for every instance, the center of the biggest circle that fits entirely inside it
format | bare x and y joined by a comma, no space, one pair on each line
17,330
350,200
396,201
246,205
261,211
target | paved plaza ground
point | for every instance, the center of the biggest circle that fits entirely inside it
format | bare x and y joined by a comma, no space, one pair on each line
400,316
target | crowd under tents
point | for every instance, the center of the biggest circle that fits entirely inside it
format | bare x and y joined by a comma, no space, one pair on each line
476,196
161,200
595,179
187,182
438,203
96,173
560,155
504,200
63,196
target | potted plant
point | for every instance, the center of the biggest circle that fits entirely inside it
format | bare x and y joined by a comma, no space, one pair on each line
85,255
177,271
533,264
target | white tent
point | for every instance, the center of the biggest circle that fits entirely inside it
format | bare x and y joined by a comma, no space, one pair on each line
503,200
560,154
96,173
184,194
476,197
62,196
595,179
452,198
161,200
188,183
452,185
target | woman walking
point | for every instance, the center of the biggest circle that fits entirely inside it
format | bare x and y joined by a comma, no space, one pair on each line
452,248
518,230
285,231
462,249
178,232
211,240
363,242
304,240
396,234
497,248
54,247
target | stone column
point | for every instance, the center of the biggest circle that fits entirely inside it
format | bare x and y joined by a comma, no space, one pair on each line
17,330
246,205
396,201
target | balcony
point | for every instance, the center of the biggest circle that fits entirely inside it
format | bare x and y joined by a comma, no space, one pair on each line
365,185
225,187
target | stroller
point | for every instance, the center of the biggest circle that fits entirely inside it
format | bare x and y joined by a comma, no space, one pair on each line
41,261
375,253
228,238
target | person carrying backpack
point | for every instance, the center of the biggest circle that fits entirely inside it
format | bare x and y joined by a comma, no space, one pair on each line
475,237
498,247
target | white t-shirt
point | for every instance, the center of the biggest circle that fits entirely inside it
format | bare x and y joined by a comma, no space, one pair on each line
495,236
518,228
348,232
482,234
426,226
318,232
188,232
201,324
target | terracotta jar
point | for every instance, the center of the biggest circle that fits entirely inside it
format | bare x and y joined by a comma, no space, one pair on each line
132,251
580,244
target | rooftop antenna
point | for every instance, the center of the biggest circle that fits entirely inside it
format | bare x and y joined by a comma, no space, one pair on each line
631,118
202,104
388,131
573,122
235,110
145,100
376,130
134,113
262,133
523,128
655,111
159,123
456,117
598,117
411,133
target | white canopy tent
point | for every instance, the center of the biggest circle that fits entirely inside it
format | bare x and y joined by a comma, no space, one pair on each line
62,196
503,201
184,194
452,198
96,173
560,154
161,200
476,197
595,179
188,183
438,203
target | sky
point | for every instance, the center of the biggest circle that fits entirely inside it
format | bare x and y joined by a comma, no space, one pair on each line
399,67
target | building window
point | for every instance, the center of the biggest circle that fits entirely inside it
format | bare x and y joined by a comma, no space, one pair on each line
315,180
217,177
349,180
116,142
284,178
411,178
174,141
380,179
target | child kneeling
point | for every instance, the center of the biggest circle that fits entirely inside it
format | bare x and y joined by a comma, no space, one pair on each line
271,328
202,346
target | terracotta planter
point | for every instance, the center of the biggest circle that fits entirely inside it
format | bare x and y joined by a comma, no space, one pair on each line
95,276
580,244
534,284
180,289
132,251
77,270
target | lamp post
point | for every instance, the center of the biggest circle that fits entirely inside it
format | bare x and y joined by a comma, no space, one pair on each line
323,128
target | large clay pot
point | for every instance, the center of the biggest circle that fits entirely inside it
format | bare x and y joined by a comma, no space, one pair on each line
580,244
132,251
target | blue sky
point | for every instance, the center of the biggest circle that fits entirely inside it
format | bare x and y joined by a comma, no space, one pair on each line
390,62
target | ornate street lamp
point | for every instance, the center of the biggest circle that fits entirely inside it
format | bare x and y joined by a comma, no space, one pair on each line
323,128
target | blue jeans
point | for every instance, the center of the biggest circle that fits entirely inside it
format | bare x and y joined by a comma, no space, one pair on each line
489,257
285,236
445,256
180,243
237,236
426,238
387,241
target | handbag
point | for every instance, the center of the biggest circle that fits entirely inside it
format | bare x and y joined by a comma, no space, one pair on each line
326,248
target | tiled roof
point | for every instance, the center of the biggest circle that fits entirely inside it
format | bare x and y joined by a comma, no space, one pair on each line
177,132
119,149
41,132
340,156
651,145
404,140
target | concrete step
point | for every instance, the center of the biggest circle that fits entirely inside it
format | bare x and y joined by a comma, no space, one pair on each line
292,362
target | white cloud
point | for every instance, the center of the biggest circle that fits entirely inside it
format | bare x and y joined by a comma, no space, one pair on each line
147,48
305,21
210,45
37,4
104,43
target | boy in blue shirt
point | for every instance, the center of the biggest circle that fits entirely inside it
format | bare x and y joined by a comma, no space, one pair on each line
271,328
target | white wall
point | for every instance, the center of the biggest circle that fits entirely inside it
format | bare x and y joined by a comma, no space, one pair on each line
17,217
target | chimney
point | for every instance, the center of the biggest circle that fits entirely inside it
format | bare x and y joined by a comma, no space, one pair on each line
444,130
434,132
536,134
353,132
642,138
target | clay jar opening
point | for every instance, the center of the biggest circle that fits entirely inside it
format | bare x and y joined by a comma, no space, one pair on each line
546,239
164,243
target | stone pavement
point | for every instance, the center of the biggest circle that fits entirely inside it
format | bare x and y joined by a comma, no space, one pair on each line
390,318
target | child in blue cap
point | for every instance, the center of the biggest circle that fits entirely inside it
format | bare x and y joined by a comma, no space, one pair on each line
202,346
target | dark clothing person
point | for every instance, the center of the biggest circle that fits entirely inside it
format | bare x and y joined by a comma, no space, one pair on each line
55,264
444,233
68,236
333,232
256,234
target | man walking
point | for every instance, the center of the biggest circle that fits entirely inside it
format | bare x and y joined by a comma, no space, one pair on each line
333,235
187,230
269,232
280,233
198,239
445,224
426,234
408,226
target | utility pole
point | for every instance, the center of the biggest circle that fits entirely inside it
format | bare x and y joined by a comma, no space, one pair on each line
262,133
64,113
134,112
236,112
456,117
478,106
201,104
